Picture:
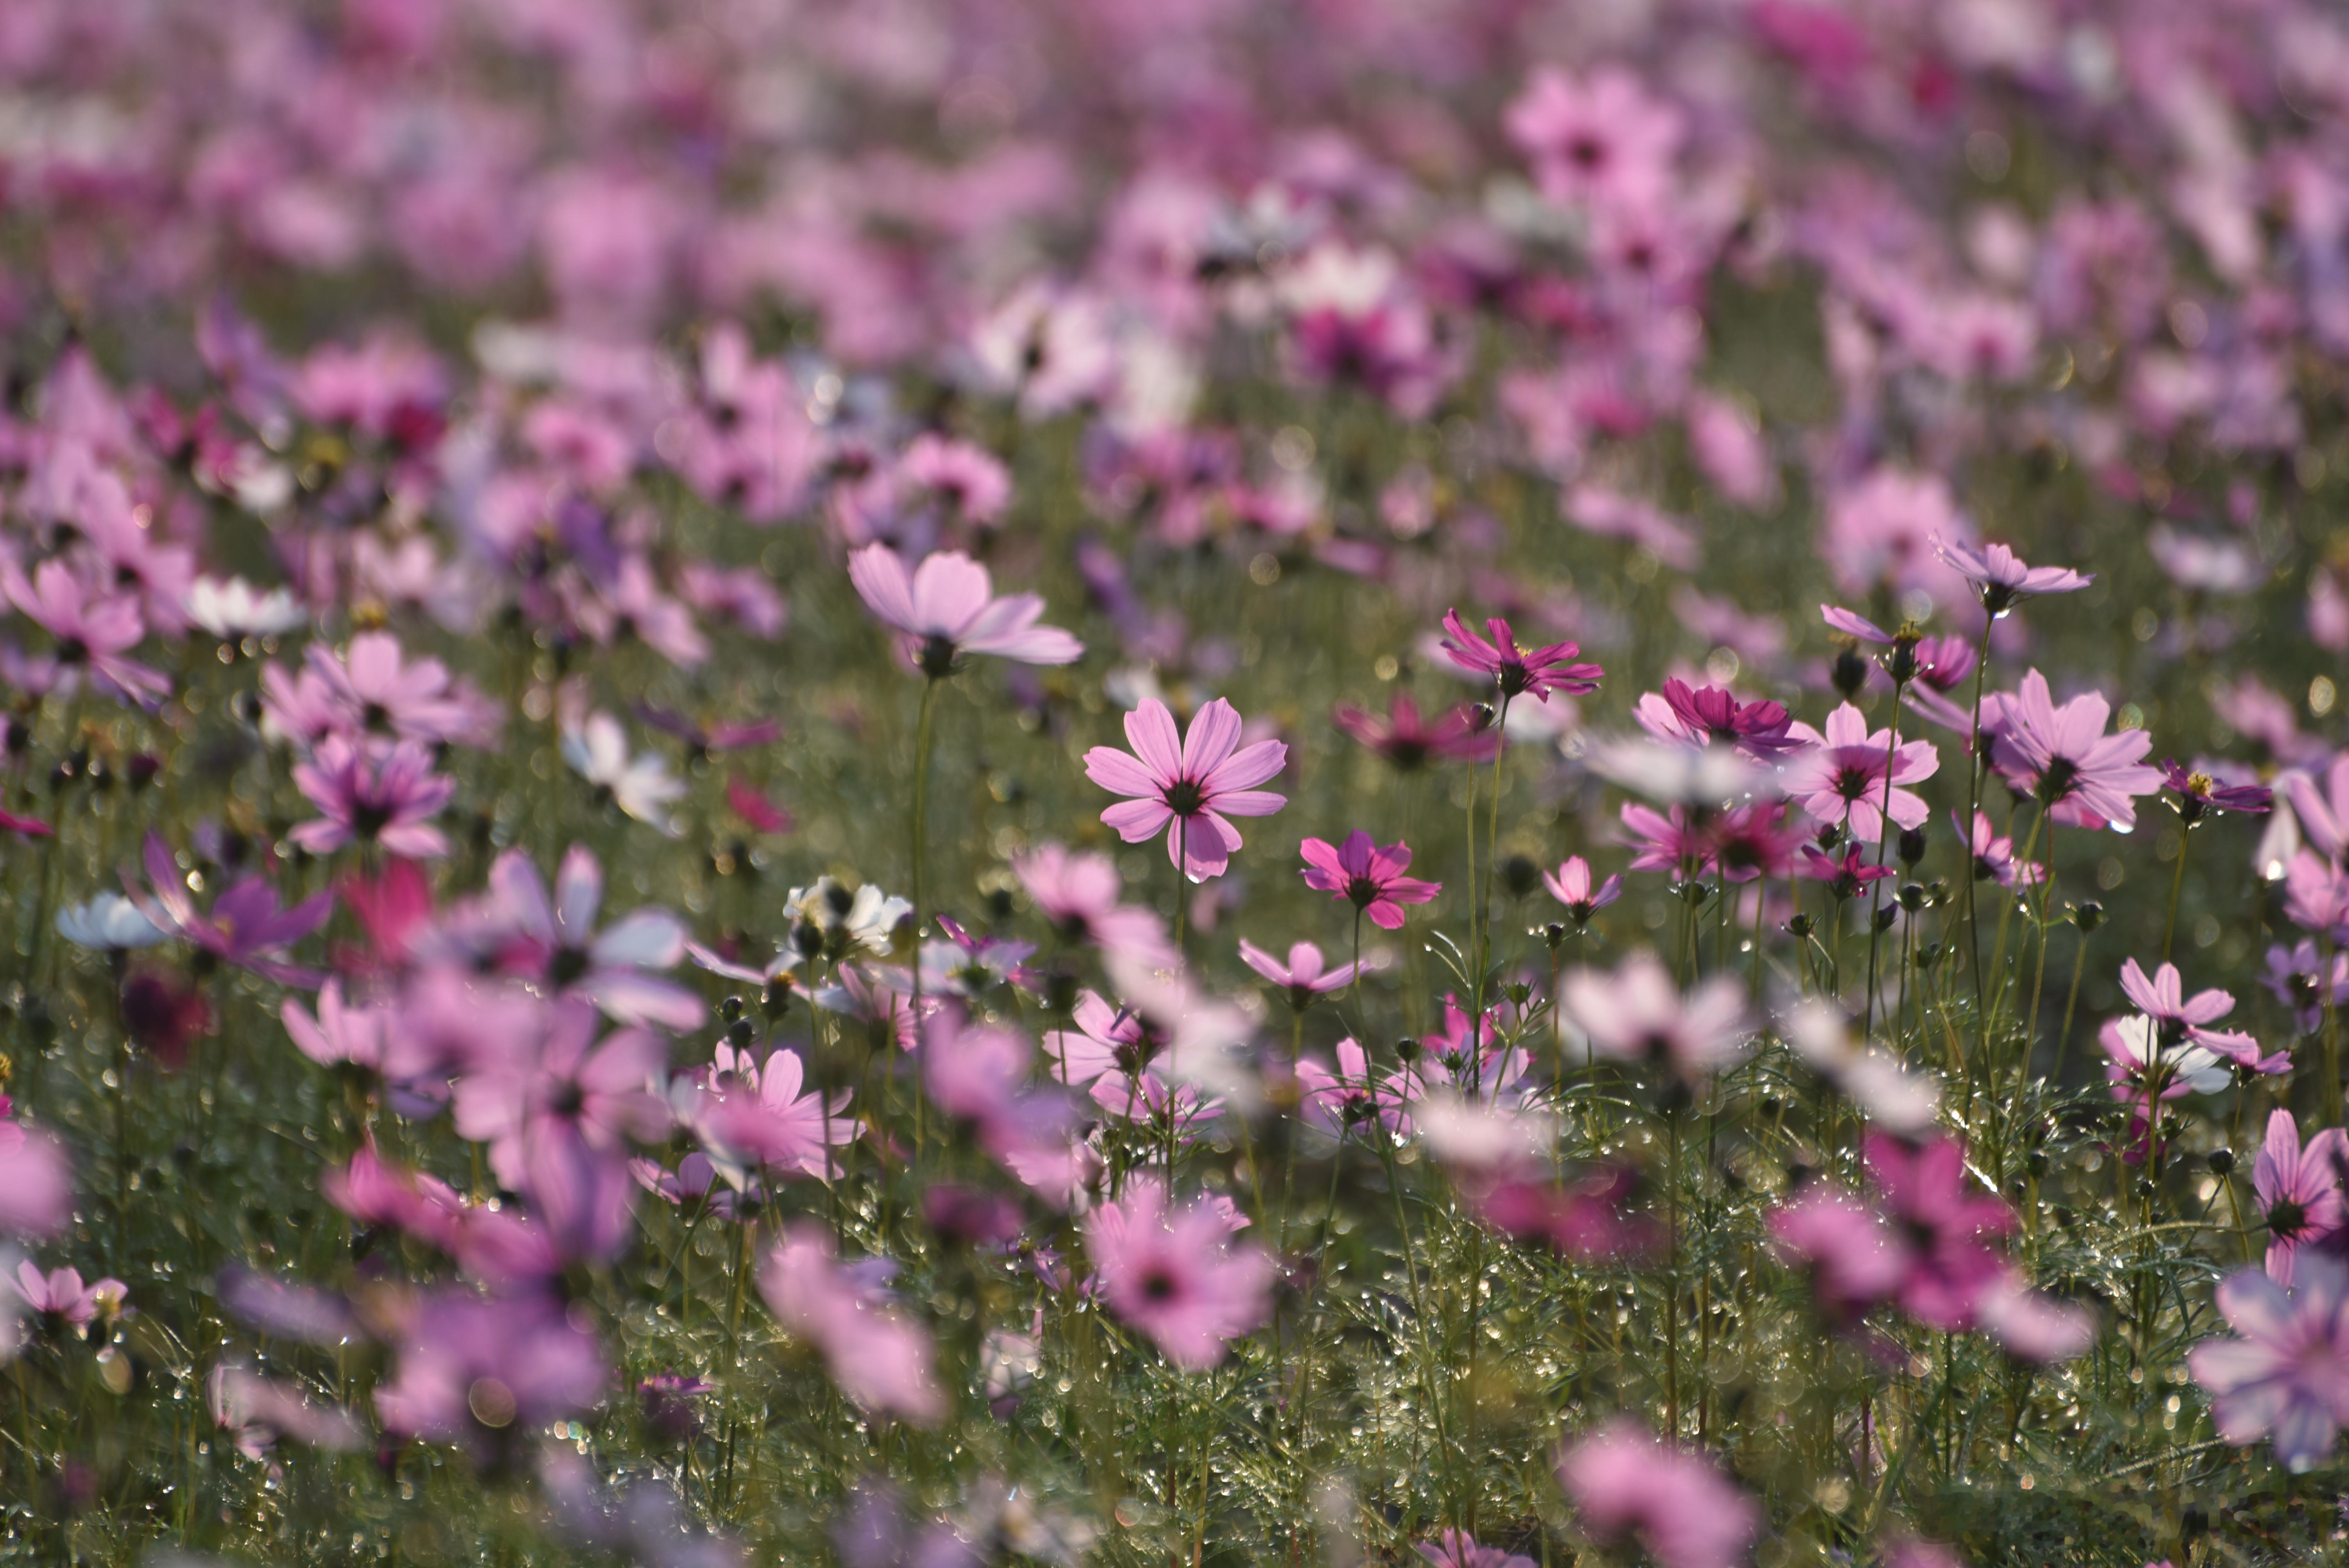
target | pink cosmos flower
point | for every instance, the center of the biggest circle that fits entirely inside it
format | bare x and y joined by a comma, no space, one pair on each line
2286,1378
2299,1189
1515,670
485,1373
1638,1013
1305,976
560,1081
1367,875
1666,840
1994,858
92,630
373,689
2178,1017
880,1359
2322,808
947,607
1923,1192
1335,1102
1174,1274
1078,893
1855,1261
1570,885
1194,782
2062,755
1840,777
1458,1549
387,800
1846,875
61,1298
1585,1219
1602,139
1461,734
517,929
245,925
35,1181
761,1113
1682,1509
2001,577
2295,977
1710,716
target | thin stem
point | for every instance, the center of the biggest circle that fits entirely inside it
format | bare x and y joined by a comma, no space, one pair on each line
2176,885
1883,839
2070,1006
1975,762
2039,971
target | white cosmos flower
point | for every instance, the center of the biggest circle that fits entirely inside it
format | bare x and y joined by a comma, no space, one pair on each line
109,923
234,609
641,785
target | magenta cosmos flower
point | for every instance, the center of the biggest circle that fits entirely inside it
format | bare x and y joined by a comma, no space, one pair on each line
1683,714
2287,1378
485,1374
246,926
1840,777
92,630
1680,1507
1458,1549
946,608
1367,875
362,799
2299,1189
1192,781
2063,758
1923,1192
1515,670
1174,1273
2001,578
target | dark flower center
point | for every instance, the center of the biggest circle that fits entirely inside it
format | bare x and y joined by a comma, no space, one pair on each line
1363,892
369,819
1184,798
568,964
2286,1218
1853,782
2062,776
937,657
567,1099
1586,153
1159,1285
73,651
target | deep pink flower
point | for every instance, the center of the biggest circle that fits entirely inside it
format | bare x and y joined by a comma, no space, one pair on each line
364,798
1710,716
2001,577
1462,733
1752,840
947,607
1586,1219
1367,875
2063,758
1856,1261
1846,875
244,927
1923,1192
1667,842
1840,777
1682,1509
1570,885
1337,1102
1175,1275
1994,859
1305,976
1193,782
2287,1377
1515,670
1638,1013
2299,1189
881,1359
2198,794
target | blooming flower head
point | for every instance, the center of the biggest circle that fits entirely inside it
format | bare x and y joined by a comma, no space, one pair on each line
1188,784
1570,885
1337,1101
108,922
1515,670
642,787
881,1359
2298,1188
1638,1013
1855,1259
1846,875
245,925
2178,1019
1306,976
2063,758
1623,1482
1922,1189
2323,808
387,800
1078,893
62,1298
375,690
2198,794
517,929
2001,577
947,607
1994,858
1710,716
1367,875
35,1181
2295,977
1840,776
483,1373
93,631
1174,1274
1461,734
1458,1549
2286,1377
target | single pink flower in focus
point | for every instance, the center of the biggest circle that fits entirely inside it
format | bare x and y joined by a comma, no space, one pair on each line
2179,1017
2063,758
2299,1189
1683,714
880,1359
1174,1274
1191,782
1515,670
1841,777
363,798
1368,875
1570,885
1678,1505
947,607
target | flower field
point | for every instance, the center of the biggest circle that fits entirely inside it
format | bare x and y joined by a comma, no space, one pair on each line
1478,782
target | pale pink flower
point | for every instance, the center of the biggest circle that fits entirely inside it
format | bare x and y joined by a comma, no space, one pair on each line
2062,755
2287,1378
881,1359
1682,1509
1840,777
1193,782
947,607
1174,1274
1638,1013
